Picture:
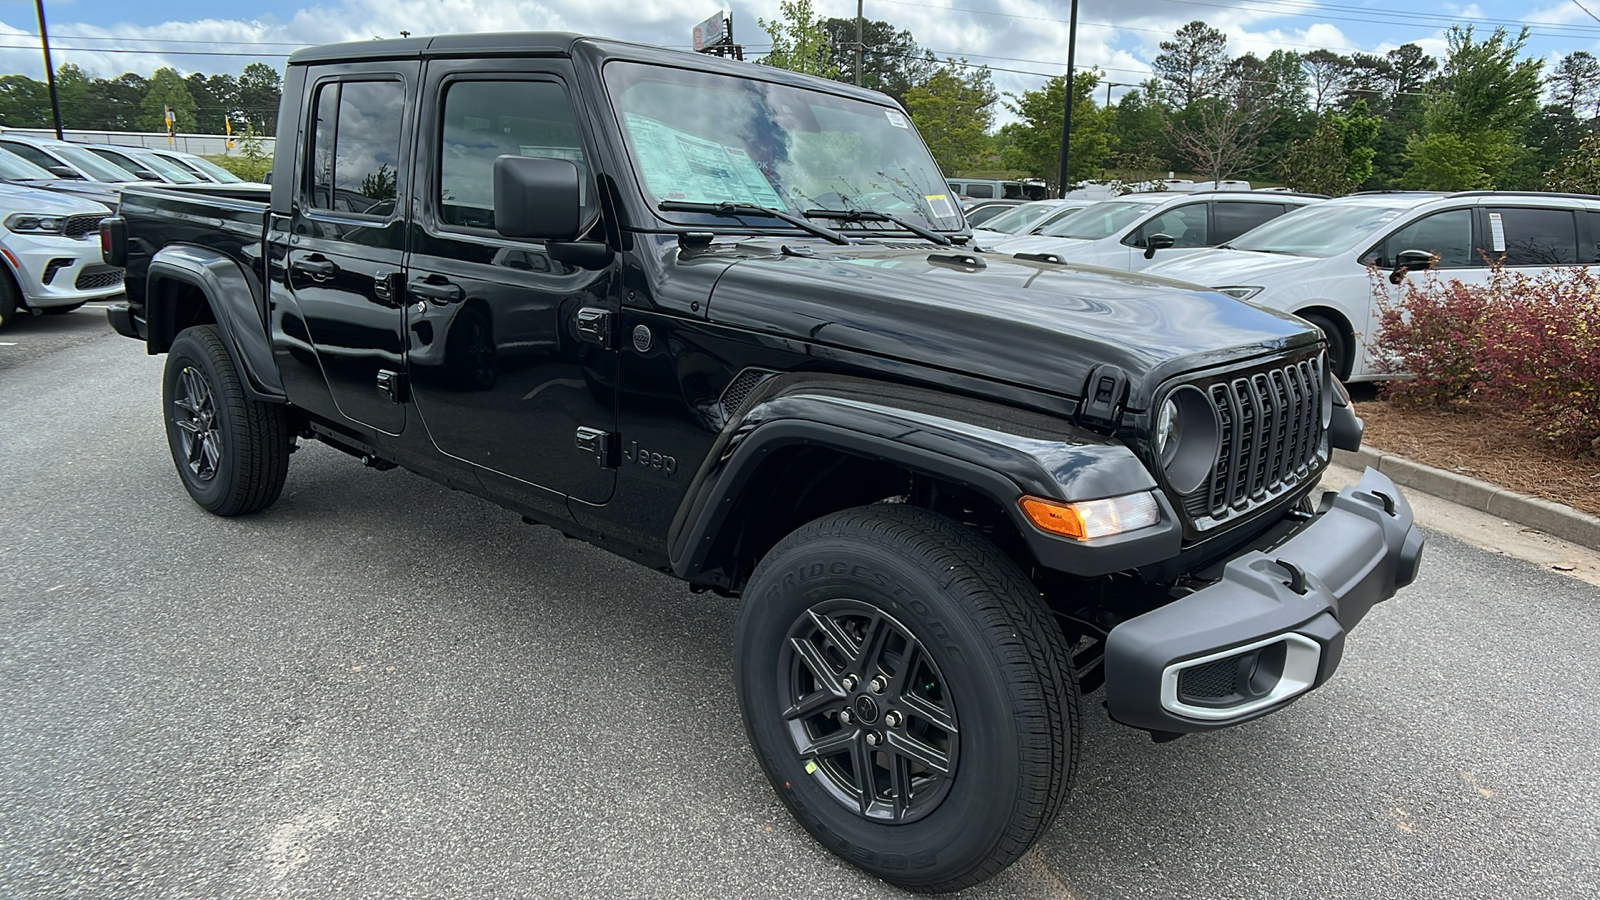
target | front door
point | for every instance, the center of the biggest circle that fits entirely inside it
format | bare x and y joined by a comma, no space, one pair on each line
347,239
502,374
1454,237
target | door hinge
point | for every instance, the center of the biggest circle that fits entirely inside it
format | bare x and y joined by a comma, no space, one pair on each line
392,385
602,445
386,285
594,326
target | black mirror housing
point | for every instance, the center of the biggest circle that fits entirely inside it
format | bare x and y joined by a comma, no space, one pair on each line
537,198
1157,242
64,172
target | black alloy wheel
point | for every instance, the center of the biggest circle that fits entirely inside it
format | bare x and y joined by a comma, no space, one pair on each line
908,694
867,706
231,451
194,414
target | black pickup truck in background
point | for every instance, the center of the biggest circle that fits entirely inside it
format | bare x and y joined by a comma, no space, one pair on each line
725,321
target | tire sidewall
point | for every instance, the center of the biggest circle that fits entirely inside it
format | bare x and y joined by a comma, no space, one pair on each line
190,351
962,831
1338,347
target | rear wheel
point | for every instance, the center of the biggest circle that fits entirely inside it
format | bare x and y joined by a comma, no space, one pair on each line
908,695
232,452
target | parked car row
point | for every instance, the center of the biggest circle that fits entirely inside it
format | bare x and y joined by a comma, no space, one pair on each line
1307,255
53,196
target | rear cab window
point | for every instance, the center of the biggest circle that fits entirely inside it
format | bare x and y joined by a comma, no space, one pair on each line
355,147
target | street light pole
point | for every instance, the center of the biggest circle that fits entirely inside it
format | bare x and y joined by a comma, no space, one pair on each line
49,68
858,43
1066,113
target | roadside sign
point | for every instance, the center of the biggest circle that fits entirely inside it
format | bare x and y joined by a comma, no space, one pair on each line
713,32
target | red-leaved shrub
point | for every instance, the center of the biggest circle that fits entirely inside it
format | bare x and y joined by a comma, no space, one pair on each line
1523,345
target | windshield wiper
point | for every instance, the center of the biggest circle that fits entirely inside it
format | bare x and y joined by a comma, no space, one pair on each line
872,215
735,210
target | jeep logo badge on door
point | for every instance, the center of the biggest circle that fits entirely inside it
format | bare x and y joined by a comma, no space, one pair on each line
637,454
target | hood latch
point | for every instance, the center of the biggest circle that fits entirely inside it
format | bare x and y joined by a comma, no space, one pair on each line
1104,395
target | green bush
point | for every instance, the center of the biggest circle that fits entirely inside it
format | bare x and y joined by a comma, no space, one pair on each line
248,169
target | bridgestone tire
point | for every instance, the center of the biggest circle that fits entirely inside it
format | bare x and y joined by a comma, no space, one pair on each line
1004,660
249,441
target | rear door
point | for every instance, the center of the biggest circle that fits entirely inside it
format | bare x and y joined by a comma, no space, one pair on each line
511,352
346,237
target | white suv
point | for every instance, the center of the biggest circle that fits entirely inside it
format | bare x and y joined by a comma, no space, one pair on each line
1134,232
1320,263
50,243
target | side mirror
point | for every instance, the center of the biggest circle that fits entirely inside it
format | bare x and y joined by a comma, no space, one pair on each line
146,175
64,172
267,178
1157,242
1407,260
537,198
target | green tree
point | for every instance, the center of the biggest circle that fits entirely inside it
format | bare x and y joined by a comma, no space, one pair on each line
1220,136
1193,64
1575,84
1035,146
891,61
259,92
954,110
1578,171
1136,124
800,43
216,100
167,90
115,102
1327,74
73,86
24,103
1485,99
1318,164
1358,131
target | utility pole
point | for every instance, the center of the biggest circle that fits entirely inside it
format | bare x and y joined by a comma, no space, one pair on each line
49,68
858,42
1066,114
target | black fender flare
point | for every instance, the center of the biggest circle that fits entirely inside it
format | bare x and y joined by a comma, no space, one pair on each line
1000,451
235,297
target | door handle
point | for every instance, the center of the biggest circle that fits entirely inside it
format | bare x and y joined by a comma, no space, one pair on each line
317,266
437,289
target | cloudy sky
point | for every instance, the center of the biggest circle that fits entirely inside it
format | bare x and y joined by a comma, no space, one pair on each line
1022,40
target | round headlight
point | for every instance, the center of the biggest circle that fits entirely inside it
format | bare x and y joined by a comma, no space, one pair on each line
1166,429
1187,438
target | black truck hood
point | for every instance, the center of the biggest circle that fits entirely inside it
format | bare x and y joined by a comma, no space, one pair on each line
1033,324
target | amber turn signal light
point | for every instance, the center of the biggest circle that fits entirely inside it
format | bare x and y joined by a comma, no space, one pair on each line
1087,519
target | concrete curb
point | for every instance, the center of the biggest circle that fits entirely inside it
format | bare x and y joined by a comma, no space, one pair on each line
1553,519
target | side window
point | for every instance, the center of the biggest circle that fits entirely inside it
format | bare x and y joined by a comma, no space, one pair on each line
355,147
32,154
1592,252
488,119
1186,225
1447,235
980,191
1534,237
1233,219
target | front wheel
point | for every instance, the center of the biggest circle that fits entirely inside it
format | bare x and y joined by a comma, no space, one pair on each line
1339,359
908,695
232,452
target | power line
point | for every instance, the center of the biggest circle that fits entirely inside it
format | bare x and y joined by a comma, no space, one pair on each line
146,52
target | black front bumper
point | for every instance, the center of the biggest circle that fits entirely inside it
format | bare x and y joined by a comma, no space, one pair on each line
1273,627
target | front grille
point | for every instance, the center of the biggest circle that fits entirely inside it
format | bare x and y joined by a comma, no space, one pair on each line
1209,681
1272,439
78,226
95,277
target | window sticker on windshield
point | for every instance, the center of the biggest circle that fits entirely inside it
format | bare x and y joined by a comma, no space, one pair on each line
941,206
678,166
897,118
1497,233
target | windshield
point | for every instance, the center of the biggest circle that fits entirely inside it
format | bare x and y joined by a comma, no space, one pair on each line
207,167
166,168
1100,220
1320,230
701,137
14,167
92,165
1017,219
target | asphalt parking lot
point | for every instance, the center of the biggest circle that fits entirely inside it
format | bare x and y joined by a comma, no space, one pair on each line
380,688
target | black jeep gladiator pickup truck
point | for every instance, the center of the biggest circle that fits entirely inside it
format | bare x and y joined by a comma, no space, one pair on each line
725,320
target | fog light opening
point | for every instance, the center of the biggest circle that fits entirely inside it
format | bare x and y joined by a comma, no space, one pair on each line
1241,680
